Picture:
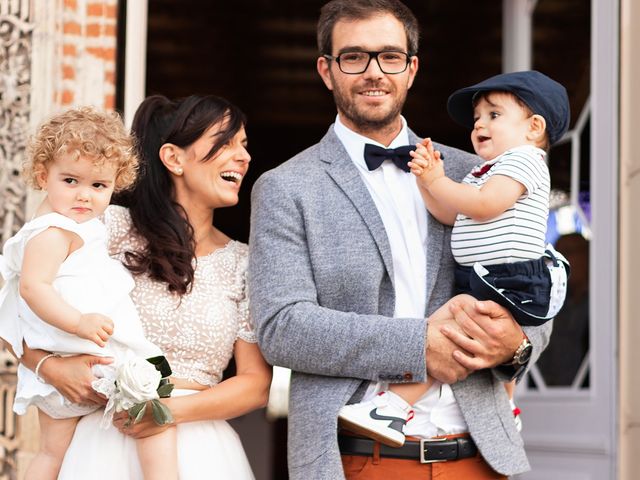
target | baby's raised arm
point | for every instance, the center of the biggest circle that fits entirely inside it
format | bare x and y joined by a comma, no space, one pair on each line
445,198
427,166
43,257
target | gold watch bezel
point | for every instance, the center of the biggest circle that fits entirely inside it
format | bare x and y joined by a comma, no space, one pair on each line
524,345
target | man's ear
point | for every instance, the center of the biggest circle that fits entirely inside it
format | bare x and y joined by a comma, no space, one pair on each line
172,158
324,69
413,69
537,128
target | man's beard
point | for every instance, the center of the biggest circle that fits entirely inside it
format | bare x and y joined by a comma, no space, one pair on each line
366,120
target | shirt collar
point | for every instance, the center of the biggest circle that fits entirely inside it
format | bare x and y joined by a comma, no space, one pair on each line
354,142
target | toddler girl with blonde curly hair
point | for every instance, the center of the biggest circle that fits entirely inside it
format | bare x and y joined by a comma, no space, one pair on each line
63,293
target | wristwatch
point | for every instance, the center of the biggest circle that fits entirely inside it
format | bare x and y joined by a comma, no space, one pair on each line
523,353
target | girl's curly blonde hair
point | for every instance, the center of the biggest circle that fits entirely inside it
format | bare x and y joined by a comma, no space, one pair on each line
83,132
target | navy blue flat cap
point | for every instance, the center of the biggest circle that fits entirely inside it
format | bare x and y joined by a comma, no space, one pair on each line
540,93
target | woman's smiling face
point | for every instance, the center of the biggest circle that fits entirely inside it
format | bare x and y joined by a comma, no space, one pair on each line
214,182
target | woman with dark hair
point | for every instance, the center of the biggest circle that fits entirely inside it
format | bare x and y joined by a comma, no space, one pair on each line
190,294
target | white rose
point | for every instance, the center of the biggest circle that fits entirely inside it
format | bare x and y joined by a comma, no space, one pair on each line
138,382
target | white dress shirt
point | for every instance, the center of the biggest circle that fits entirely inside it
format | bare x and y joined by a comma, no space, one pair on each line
404,216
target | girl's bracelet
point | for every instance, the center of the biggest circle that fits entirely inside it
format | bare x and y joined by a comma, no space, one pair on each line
40,362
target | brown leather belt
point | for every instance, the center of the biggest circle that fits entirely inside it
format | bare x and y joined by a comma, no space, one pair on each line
428,450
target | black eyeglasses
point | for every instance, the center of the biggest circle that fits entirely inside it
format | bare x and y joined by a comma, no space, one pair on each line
390,62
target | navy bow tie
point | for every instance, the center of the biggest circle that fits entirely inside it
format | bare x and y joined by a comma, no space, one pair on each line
375,155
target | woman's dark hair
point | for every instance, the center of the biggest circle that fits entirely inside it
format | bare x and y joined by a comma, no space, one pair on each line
169,253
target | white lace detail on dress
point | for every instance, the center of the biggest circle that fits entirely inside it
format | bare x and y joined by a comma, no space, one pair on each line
196,334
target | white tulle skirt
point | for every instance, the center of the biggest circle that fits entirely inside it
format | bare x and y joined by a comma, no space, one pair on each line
206,450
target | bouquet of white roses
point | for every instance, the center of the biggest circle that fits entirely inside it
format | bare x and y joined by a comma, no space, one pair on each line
134,384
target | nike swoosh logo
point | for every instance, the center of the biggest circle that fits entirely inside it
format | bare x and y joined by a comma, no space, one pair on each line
395,423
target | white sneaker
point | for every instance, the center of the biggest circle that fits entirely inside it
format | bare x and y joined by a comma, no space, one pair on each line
382,418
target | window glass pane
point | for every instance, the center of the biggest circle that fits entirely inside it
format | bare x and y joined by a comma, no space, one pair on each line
560,363
565,362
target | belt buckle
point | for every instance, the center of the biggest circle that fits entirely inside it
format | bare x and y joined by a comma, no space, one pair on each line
423,450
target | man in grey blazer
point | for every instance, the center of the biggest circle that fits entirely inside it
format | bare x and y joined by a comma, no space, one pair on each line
345,263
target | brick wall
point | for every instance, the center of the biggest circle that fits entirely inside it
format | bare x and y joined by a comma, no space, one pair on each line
66,56
88,53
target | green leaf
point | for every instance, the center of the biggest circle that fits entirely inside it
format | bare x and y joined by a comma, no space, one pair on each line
165,390
137,412
161,414
161,364
133,411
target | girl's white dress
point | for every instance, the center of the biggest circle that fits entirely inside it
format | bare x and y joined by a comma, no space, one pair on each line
89,280
197,334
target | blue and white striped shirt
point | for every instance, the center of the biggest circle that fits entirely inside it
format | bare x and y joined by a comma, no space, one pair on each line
518,233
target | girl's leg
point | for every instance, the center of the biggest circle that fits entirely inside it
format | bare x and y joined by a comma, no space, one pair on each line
158,455
383,418
55,437
510,388
410,392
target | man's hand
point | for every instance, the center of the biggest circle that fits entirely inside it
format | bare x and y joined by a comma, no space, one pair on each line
487,335
441,364
72,377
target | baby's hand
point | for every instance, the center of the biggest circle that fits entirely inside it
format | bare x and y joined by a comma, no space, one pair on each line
426,163
95,327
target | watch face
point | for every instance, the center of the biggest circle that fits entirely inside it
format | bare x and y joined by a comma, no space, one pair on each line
525,354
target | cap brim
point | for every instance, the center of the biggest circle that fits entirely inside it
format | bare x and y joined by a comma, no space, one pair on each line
460,103
541,94
460,108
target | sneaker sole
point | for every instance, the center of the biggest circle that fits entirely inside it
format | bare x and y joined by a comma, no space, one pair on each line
373,434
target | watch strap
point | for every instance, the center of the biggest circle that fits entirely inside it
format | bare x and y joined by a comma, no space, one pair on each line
516,360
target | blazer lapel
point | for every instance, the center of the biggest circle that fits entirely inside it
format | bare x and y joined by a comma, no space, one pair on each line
343,171
435,242
435,249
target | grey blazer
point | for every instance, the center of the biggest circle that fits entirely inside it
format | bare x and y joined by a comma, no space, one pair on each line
322,298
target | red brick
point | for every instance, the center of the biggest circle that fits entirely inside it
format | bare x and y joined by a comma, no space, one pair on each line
112,11
67,97
109,54
110,31
68,72
104,53
95,10
72,28
71,4
109,101
69,50
96,51
94,30
110,78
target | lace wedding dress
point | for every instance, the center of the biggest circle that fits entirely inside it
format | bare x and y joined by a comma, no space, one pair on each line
196,333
